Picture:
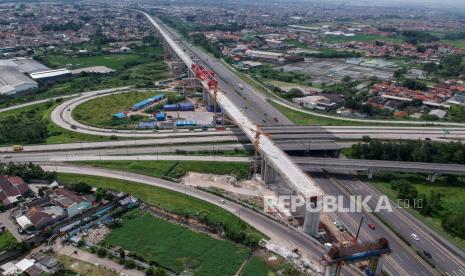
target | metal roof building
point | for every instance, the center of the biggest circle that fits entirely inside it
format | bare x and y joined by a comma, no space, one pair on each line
12,81
148,101
24,65
50,75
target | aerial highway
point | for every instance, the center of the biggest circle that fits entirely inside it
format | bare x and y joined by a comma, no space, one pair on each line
145,157
445,255
276,159
187,140
112,149
403,260
379,165
417,266
253,104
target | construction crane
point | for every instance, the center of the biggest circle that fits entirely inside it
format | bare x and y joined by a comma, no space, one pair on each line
202,74
256,142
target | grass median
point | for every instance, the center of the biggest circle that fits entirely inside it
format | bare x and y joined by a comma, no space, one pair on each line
451,197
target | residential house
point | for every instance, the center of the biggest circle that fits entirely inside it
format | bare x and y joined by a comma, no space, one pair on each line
12,189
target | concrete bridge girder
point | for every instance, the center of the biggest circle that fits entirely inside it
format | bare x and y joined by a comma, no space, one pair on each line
311,218
310,225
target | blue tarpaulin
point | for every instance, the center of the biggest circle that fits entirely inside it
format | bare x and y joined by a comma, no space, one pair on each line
119,115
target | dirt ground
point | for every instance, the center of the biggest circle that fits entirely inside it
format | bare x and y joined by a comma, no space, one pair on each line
227,183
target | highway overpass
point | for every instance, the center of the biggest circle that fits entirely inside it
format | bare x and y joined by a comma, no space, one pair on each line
433,169
277,163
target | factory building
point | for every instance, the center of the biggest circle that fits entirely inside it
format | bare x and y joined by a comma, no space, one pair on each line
24,65
272,56
51,75
13,81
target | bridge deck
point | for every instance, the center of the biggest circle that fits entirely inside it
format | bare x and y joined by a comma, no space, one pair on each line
359,164
281,162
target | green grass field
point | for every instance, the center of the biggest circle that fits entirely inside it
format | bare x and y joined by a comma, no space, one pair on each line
142,67
98,112
262,264
452,196
113,61
175,169
176,247
7,241
457,43
56,134
362,38
169,200
256,267
301,118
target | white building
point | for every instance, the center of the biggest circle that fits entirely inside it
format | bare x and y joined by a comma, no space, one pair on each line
13,81
24,65
51,75
265,55
438,113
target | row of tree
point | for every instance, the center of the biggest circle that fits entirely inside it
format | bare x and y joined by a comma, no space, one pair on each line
449,66
26,171
414,151
430,205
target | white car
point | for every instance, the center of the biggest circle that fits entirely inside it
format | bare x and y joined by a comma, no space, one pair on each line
221,201
415,237
8,155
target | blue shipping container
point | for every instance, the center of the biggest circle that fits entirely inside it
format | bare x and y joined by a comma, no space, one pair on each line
170,107
147,125
188,106
186,123
160,116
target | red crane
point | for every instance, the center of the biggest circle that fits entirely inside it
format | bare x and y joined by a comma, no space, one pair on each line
202,74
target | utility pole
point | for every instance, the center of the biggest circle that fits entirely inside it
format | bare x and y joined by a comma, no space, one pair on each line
358,230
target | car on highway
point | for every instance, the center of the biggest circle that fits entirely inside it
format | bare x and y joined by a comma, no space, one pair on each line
8,155
427,254
372,226
415,237
221,201
73,127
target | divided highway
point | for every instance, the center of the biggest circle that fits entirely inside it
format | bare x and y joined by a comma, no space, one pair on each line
404,261
445,255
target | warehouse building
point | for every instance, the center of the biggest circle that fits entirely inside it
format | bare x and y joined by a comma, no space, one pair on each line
13,82
24,65
271,56
147,102
51,75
